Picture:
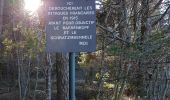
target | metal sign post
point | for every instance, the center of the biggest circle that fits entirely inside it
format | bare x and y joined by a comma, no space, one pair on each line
72,76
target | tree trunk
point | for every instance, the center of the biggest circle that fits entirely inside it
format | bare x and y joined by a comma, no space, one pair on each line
62,69
135,20
123,83
49,84
49,81
23,78
144,19
166,85
1,15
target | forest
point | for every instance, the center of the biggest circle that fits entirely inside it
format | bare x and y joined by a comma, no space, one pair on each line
131,61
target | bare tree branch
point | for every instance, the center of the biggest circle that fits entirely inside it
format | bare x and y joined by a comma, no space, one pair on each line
156,6
157,21
115,34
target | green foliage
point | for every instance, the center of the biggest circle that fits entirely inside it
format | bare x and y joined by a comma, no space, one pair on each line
82,59
158,41
133,51
8,44
105,76
30,38
23,38
114,49
85,59
108,85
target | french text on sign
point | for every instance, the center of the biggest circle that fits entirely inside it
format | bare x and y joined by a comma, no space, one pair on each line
68,23
83,43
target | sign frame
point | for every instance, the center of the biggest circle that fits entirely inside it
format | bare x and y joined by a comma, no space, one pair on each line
70,26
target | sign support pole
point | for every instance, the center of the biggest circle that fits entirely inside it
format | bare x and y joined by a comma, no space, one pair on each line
72,76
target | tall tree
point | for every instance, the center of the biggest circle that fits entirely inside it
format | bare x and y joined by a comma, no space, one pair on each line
62,70
1,15
144,19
